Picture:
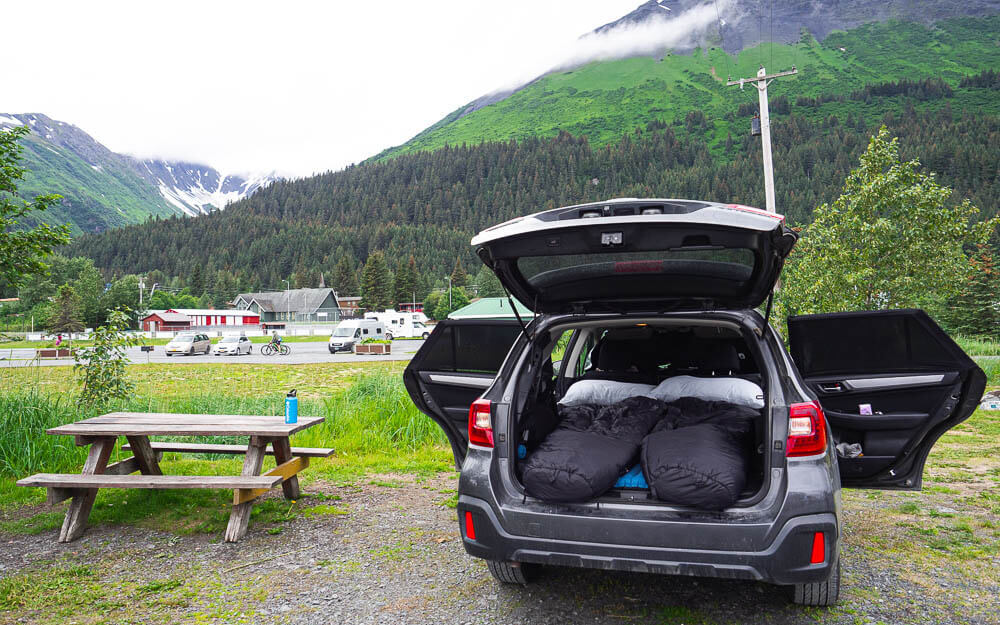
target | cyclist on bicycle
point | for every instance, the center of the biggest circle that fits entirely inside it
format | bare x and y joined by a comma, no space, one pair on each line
275,339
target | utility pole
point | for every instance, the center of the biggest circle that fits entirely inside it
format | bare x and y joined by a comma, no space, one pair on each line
761,81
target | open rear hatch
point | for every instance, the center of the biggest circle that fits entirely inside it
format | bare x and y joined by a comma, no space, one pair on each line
639,256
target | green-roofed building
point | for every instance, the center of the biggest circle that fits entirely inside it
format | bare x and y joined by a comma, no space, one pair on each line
491,308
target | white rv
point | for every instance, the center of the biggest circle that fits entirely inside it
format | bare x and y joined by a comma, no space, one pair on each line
400,325
352,331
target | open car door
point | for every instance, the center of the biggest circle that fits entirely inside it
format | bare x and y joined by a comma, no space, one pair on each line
452,369
891,381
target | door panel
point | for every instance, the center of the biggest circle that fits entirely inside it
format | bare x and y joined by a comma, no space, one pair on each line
455,365
891,381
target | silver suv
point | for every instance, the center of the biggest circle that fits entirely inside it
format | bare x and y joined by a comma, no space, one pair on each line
645,292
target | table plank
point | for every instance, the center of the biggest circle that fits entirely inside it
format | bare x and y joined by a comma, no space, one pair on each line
73,480
168,424
219,448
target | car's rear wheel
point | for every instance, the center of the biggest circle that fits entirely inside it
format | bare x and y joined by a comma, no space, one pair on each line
388,336
823,593
510,572
425,335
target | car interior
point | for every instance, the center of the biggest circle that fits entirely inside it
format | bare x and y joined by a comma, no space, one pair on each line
646,353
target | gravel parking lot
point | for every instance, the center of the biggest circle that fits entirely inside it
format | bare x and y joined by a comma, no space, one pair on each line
385,549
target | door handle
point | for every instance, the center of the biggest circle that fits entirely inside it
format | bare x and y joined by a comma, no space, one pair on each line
831,387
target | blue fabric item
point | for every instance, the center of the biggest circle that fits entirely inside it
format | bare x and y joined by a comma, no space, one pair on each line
522,451
632,479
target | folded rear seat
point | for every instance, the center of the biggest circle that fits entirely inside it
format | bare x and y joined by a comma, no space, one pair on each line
590,449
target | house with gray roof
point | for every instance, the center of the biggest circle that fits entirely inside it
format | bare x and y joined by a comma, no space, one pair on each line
291,306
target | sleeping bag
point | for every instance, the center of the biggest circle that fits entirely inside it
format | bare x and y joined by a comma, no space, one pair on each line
698,455
590,449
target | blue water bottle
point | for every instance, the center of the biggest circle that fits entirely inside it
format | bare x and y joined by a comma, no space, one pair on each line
291,407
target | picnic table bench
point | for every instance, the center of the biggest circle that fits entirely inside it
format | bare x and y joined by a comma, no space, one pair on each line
268,435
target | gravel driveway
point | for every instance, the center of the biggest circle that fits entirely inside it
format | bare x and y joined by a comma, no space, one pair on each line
386,550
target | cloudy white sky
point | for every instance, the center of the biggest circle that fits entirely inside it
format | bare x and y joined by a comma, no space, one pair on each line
295,86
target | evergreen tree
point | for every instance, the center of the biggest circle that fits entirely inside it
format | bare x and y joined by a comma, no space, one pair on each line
405,283
376,283
124,295
66,314
345,277
975,311
458,276
197,281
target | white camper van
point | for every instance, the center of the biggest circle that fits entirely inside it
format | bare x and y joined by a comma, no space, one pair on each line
352,331
400,325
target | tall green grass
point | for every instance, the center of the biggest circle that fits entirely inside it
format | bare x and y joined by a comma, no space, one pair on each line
375,414
978,346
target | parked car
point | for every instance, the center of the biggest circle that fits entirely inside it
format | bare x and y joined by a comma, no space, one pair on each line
189,344
233,346
352,331
651,291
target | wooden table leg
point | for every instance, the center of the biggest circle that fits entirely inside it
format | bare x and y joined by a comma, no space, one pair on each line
282,454
239,518
144,455
83,499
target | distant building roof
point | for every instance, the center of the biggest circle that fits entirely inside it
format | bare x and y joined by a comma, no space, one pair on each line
491,308
168,316
206,311
302,301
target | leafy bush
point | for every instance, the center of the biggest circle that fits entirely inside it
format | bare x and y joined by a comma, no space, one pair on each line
103,364
374,341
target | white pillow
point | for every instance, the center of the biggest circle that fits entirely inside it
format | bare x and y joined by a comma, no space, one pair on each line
733,390
603,392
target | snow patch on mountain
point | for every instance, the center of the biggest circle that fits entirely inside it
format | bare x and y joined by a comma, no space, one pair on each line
197,189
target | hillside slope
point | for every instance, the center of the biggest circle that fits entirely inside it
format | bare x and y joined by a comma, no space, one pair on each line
602,100
102,189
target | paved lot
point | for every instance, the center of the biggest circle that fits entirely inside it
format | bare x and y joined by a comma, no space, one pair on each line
302,353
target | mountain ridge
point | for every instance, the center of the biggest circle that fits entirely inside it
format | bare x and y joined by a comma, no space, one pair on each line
103,189
729,26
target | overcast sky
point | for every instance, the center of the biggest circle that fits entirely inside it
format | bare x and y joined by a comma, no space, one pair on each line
297,87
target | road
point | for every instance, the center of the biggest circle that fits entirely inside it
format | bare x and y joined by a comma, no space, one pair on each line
302,353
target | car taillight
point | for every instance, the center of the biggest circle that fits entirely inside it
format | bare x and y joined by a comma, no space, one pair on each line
480,424
806,430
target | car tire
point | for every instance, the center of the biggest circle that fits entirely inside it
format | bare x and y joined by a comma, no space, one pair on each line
169,355
509,572
824,593
425,335
388,336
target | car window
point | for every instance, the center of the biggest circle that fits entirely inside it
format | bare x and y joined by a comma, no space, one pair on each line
471,348
357,333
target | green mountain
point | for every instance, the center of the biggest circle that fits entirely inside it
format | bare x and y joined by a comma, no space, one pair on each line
102,189
602,100
99,188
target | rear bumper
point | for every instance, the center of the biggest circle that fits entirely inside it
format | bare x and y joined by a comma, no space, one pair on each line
786,560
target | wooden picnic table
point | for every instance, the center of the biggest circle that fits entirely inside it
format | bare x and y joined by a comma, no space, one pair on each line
268,435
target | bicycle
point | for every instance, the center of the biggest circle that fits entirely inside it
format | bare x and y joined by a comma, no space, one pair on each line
271,348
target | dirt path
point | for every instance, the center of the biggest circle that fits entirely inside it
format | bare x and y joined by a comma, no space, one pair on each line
387,551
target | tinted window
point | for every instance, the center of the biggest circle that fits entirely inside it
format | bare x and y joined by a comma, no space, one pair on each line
885,342
470,348
733,263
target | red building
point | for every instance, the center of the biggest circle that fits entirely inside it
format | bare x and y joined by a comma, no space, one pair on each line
167,320
201,318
